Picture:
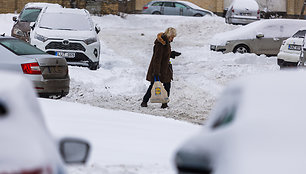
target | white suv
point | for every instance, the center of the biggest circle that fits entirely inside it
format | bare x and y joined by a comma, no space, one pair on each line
69,33
291,49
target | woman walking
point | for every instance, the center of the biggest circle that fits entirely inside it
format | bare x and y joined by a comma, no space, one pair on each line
160,66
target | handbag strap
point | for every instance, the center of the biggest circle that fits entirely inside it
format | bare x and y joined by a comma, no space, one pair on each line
155,78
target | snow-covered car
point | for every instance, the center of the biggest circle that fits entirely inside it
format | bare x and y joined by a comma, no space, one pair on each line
183,8
291,50
242,12
21,28
27,147
69,33
48,73
256,127
261,37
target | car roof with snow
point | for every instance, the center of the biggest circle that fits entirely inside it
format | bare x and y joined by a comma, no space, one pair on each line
66,10
242,4
286,28
192,5
41,5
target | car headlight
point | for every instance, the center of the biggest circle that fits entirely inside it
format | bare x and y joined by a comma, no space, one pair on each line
90,40
18,32
40,37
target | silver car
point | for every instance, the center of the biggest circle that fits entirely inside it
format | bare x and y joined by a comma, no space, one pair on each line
242,12
182,8
260,37
48,73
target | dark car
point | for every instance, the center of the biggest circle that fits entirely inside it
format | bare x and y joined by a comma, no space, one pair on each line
30,12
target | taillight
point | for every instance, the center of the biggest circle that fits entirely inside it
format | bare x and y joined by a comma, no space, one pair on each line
258,11
37,171
145,7
233,10
31,68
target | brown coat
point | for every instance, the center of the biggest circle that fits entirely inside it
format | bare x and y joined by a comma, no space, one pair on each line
160,60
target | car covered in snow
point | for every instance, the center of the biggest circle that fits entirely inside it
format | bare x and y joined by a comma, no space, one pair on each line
261,37
291,50
48,73
256,126
183,8
27,147
69,33
30,12
242,12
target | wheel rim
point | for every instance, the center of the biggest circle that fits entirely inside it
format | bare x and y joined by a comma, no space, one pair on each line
242,50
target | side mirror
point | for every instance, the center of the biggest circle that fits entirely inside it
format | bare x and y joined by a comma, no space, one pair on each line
260,35
32,25
98,29
74,151
15,19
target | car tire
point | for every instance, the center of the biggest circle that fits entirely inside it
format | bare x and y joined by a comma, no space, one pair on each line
226,20
93,65
198,15
156,13
241,49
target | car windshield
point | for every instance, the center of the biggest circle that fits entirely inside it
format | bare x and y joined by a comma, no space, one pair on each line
60,21
20,47
29,15
300,34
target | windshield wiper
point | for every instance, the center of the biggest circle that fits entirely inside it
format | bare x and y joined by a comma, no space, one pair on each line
46,28
64,29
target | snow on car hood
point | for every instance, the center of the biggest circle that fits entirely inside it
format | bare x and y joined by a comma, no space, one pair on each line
65,34
286,28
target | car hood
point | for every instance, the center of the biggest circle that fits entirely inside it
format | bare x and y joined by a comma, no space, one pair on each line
23,26
66,34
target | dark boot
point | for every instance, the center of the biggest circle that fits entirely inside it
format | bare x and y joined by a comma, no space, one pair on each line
144,104
164,105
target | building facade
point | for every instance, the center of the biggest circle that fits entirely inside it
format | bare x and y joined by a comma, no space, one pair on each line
287,7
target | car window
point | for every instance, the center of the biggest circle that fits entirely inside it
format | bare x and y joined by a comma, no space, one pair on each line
29,15
20,47
226,117
69,21
273,30
179,5
300,34
157,4
168,4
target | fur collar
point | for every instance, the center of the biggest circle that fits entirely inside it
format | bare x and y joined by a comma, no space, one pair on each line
162,38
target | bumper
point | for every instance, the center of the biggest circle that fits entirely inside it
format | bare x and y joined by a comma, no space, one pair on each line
241,20
83,53
288,57
51,87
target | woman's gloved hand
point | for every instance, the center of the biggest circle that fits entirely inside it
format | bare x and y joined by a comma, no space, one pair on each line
174,54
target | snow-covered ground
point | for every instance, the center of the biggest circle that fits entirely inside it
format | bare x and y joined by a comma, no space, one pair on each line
199,77
127,44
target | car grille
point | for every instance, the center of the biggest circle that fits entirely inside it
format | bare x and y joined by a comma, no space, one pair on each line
61,46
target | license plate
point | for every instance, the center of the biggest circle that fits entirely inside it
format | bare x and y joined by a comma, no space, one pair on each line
245,14
294,47
65,54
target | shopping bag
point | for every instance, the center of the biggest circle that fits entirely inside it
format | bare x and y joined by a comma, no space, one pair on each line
158,93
